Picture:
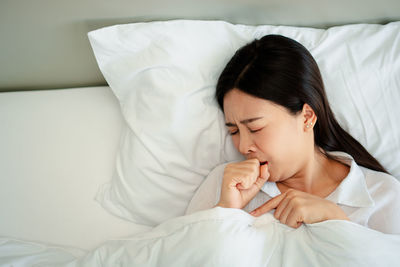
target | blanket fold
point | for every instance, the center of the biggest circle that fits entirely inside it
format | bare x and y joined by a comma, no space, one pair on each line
228,237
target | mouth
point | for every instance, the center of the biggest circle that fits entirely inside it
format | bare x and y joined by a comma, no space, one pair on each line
265,162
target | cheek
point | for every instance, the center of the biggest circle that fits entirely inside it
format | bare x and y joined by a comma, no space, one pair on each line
281,147
235,140
288,147
271,141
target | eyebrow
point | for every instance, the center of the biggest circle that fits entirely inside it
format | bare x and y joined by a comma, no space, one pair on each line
229,124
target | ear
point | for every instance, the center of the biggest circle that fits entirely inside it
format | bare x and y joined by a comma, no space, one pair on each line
309,117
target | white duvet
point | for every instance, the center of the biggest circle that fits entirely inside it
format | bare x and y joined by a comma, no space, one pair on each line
223,237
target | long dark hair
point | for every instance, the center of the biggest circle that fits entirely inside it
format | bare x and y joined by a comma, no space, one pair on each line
282,70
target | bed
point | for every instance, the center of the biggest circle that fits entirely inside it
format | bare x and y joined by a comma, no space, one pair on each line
50,175
92,176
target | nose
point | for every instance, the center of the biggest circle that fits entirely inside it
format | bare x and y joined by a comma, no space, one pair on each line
246,144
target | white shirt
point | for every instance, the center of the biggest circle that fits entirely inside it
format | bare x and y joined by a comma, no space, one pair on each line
368,197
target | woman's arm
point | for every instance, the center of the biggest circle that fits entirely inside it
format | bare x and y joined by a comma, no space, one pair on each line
208,193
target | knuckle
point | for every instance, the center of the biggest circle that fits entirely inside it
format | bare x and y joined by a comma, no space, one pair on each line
252,163
291,192
300,209
248,177
296,202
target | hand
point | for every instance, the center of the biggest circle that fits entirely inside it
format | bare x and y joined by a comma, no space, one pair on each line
295,207
241,182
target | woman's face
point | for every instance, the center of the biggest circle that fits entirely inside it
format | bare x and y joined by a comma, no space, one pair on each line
272,134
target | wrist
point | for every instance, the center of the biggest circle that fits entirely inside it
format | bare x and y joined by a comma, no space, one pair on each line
342,216
337,214
222,205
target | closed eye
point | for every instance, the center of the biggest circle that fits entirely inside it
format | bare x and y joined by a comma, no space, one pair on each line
233,133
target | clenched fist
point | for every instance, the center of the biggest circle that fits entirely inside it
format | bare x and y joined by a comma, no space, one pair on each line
241,182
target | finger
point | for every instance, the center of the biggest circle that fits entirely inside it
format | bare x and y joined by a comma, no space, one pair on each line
240,186
240,181
247,182
267,206
260,182
248,178
294,219
256,187
264,173
283,218
281,207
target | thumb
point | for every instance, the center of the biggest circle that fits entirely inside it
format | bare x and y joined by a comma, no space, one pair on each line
264,173
260,181
263,177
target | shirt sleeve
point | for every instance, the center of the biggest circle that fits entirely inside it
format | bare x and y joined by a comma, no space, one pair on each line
385,216
208,193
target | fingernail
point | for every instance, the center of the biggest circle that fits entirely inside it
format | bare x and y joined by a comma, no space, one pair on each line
253,212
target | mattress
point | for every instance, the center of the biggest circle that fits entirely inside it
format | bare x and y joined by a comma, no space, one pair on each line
57,148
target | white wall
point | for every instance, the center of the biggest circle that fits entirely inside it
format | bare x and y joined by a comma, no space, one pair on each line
43,43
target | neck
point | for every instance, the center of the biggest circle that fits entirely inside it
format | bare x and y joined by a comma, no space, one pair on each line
319,176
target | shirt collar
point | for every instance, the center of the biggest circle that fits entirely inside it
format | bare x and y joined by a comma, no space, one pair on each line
352,191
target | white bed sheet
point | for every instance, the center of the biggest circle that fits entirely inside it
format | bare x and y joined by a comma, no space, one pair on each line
56,148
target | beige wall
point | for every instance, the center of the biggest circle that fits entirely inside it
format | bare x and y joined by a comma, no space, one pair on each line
44,43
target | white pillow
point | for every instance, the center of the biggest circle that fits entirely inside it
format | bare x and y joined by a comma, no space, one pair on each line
164,75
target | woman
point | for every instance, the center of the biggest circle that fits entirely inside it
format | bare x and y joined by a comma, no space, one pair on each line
307,167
